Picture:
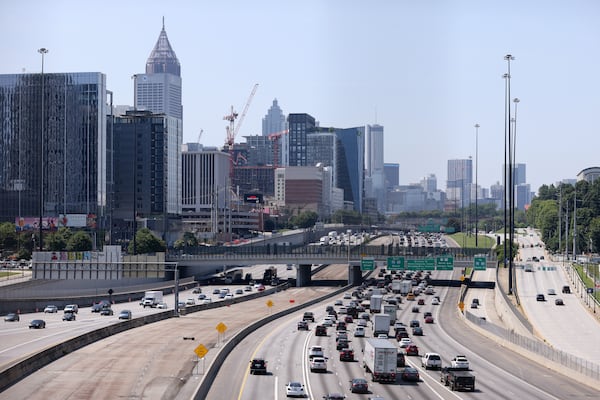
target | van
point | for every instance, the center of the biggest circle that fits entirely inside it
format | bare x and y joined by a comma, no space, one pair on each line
72,308
410,296
566,289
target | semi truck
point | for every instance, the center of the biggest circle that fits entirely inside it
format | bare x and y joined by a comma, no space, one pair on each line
152,298
375,303
381,325
405,287
389,309
380,359
396,286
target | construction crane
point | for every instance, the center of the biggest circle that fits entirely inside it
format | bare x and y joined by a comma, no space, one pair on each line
275,138
233,129
200,134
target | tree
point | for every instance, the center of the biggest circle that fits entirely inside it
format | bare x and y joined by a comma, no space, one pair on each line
80,241
57,241
8,236
305,219
146,242
187,240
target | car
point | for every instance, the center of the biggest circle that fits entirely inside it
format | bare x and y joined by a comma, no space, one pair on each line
207,300
315,351
348,319
474,305
475,300
239,291
359,385
51,309
11,317
261,288
429,320
414,323
196,290
431,360
427,314
73,308
404,342
417,331
559,302
190,302
342,344
334,396
162,305
415,309
294,389
540,297
365,316
362,322
229,296
382,336
181,304
308,316
401,335
68,316
247,288
216,291
327,322
460,361
341,335
421,302
106,311
320,330
97,307
346,354
37,324
410,297
551,292
125,314
201,296
410,374
400,360
435,302
566,289
258,366
412,350
347,296
302,325
340,326
359,331
318,364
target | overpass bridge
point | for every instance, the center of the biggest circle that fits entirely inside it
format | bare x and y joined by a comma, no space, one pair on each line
198,259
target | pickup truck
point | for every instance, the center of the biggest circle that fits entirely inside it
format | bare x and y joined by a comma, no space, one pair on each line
431,360
458,378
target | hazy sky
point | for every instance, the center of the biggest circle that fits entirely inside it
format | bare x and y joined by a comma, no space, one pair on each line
427,71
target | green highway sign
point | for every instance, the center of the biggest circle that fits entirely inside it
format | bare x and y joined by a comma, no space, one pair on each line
479,263
421,264
395,263
444,263
367,264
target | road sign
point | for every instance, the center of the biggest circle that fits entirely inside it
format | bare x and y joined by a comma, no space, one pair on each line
395,263
201,350
444,263
367,264
421,264
479,263
461,305
269,303
221,327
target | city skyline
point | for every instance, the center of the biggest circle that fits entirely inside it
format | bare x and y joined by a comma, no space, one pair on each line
426,72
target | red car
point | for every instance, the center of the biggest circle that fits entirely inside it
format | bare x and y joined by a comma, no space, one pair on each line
348,319
412,350
421,302
429,320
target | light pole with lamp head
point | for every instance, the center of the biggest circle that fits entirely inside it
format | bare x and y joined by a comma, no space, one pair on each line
476,183
43,51
508,171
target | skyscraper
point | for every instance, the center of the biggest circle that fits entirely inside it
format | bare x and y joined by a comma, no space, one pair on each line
460,178
71,175
300,125
392,175
374,164
274,121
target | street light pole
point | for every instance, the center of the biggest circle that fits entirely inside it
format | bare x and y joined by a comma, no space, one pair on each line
508,179
43,51
476,184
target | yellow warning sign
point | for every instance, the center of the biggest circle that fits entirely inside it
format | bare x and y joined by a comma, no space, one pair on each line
270,303
201,350
221,327
461,305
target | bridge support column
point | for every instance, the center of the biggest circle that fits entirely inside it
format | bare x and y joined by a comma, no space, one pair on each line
303,275
354,274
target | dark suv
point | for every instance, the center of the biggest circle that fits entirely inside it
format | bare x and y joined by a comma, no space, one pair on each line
346,355
321,330
258,366
308,316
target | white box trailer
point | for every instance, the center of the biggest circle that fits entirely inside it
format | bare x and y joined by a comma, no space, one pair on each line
379,359
152,298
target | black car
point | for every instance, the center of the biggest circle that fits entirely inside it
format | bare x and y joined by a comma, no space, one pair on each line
106,311
302,326
97,307
37,324
414,323
258,366
415,309
342,344
359,385
417,331
12,317
321,330
347,355
68,316
540,297
334,396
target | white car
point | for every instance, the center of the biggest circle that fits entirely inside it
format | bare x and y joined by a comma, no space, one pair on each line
459,362
318,364
294,389
229,296
405,342
207,300
162,305
51,309
435,301
327,322
315,351
359,331
72,308
190,302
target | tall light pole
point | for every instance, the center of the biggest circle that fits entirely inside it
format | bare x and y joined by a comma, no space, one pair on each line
42,51
476,184
514,161
508,179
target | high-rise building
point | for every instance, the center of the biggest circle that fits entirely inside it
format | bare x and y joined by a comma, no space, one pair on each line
458,185
55,154
374,142
350,165
519,174
274,121
392,175
429,183
300,125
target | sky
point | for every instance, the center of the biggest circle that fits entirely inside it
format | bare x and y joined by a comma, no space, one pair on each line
428,71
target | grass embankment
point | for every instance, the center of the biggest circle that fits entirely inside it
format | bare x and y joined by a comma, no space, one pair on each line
468,241
587,281
6,274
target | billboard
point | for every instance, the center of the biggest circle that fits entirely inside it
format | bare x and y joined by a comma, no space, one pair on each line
253,198
23,224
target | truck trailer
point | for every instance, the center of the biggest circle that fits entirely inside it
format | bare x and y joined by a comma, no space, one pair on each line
152,298
380,359
381,324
